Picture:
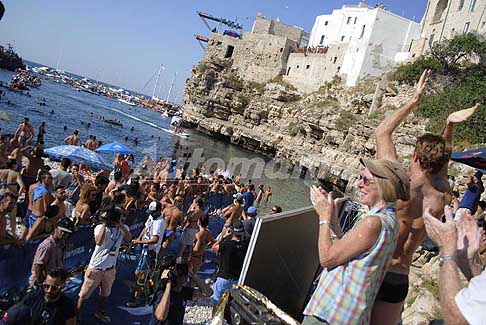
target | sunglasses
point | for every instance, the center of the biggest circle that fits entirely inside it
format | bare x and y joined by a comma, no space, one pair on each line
366,181
46,287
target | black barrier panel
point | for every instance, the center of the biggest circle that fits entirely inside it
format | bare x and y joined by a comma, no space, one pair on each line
282,259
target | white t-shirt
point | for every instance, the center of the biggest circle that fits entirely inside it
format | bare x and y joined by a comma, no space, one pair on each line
472,300
105,256
154,228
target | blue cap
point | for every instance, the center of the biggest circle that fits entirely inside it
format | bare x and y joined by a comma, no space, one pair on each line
251,210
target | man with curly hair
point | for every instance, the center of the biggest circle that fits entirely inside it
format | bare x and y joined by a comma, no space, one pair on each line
429,191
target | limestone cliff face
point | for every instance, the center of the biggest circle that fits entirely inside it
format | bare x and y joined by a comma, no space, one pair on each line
326,131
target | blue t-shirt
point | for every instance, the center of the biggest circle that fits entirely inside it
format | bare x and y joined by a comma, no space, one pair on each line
471,197
249,199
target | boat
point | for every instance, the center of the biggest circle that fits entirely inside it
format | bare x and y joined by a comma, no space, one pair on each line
121,100
88,90
113,122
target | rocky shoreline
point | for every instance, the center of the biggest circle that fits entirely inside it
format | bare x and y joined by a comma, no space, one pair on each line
324,132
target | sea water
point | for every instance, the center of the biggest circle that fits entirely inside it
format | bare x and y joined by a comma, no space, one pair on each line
66,107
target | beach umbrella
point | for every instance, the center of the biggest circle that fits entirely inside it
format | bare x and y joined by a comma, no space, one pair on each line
475,158
115,147
80,155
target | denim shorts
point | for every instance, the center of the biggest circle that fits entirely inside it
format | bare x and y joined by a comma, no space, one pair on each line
221,286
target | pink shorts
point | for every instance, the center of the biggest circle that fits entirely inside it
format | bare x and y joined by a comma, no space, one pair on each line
97,278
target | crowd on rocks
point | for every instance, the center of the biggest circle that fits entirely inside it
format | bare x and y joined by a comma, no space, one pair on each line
53,202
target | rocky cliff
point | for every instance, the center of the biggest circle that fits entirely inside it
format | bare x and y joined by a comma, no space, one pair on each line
325,132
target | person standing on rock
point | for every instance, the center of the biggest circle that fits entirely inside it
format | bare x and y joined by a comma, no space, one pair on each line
430,191
25,133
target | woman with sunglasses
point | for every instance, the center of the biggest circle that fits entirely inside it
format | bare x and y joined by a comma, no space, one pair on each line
355,263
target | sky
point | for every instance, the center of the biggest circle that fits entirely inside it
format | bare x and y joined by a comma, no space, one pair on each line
124,42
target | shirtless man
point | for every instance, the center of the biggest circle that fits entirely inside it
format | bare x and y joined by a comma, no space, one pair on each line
429,190
173,218
60,197
29,174
204,238
90,144
41,198
73,139
11,180
190,226
24,133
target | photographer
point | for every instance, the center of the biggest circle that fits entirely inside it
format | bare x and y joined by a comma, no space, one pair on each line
151,239
101,270
170,301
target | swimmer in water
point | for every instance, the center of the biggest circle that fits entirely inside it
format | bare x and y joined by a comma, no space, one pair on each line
132,129
65,128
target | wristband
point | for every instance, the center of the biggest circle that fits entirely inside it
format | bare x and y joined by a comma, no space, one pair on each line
443,258
324,222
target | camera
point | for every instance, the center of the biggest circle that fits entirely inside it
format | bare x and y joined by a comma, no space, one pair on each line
112,215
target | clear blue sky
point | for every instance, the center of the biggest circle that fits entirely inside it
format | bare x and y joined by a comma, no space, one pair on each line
124,42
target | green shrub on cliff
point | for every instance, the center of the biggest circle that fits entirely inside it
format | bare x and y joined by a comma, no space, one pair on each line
244,101
469,88
448,57
345,121
457,65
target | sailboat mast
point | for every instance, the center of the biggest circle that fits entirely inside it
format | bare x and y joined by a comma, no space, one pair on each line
171,86
156,81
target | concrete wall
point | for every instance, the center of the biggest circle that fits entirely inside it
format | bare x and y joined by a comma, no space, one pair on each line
342,26
445,18
263,25
308,72
261,58
375,54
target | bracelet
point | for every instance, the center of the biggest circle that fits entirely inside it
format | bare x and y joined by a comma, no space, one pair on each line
324,222
443,258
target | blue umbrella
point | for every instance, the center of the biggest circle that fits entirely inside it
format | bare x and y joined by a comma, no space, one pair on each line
475,158
115,147
79,155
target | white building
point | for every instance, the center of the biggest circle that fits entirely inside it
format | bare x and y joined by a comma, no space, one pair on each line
377,39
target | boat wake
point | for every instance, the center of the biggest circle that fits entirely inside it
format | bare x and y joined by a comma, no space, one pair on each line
139,120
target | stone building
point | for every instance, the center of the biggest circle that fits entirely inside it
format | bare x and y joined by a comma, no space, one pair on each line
260,55
445,18
368,41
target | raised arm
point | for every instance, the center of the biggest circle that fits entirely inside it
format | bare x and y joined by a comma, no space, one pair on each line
457,117
385,148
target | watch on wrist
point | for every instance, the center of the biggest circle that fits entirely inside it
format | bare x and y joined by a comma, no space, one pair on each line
443,258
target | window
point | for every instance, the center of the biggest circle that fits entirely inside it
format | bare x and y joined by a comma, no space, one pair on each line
281,49
431,40
355,20
362,31
334,60
288,71
229,51
461,4
298,66
307,66
325,23
439,10
349,20
323,37
472,6
483,24
342,38
338,69
466,27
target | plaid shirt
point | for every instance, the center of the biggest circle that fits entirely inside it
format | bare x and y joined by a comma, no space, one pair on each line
346,293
